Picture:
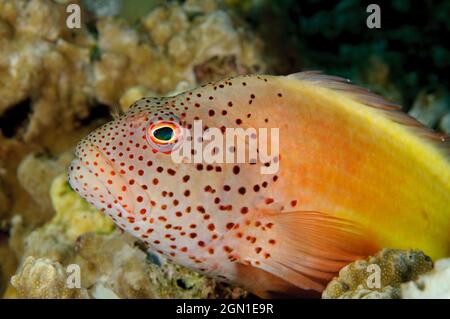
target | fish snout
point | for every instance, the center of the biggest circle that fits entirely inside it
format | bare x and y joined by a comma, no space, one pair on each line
95,177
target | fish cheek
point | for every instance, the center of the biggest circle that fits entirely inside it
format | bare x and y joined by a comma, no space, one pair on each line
88,186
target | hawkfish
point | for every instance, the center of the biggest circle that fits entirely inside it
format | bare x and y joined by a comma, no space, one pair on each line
354,174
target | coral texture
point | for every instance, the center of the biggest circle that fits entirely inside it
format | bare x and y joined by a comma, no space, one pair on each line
57,84
379,276
432,285
56,81
44,278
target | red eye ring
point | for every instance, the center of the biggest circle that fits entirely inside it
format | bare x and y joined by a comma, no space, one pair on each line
163,135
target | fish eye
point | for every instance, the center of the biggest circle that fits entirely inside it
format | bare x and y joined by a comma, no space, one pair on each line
163,135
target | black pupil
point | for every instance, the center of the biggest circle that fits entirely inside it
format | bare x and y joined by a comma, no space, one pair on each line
164,133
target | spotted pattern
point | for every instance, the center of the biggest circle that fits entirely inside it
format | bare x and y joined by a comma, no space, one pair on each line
197,214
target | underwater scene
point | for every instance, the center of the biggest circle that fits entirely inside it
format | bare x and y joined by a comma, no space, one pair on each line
224,149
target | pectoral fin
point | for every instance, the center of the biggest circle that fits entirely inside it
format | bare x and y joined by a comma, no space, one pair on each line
305,249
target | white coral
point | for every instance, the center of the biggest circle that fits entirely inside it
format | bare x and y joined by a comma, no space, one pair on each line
433,285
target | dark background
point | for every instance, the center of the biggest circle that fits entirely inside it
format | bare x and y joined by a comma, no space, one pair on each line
332,36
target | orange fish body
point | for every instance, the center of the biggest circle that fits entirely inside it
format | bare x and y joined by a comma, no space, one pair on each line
351,174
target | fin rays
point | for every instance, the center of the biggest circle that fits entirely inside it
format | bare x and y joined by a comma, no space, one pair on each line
389,109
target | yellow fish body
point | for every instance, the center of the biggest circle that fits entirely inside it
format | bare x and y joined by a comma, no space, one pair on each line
353,175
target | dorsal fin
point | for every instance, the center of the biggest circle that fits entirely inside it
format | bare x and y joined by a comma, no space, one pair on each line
391,110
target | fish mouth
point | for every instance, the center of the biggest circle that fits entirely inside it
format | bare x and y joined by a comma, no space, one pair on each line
93,176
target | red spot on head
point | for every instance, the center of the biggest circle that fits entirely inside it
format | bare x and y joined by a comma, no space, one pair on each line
230,225
227,249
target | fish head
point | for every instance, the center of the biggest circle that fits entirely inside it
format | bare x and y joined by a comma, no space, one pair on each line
119,166
136,170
